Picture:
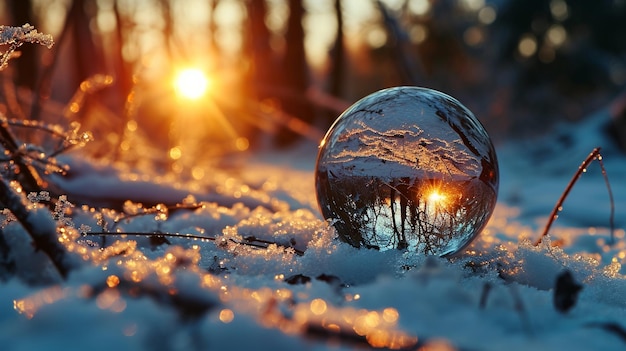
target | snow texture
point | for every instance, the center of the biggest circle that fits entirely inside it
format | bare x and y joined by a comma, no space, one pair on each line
306,290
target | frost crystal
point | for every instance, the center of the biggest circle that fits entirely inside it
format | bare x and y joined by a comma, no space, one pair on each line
24,34
60,208
38,197
83,229
6,217
16,36
407,168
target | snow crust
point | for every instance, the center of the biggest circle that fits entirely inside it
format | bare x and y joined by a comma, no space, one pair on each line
308,291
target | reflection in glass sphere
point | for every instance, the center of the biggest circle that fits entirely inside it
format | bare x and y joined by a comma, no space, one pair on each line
407,168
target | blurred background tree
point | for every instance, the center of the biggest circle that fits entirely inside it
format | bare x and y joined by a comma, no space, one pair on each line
282,70
565,54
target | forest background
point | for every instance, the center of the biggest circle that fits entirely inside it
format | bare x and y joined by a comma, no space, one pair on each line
280,71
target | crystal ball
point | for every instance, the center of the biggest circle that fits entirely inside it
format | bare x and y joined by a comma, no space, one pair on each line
407,168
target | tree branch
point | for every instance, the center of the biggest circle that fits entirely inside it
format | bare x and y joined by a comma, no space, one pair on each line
41,228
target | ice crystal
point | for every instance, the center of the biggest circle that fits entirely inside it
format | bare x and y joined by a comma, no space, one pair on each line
38,197
14,37
7,217
83,229
407,168
61,208
76,137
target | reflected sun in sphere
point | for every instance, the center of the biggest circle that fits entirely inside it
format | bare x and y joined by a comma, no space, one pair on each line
191,83
437,197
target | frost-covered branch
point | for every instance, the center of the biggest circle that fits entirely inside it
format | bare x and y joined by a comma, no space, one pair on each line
16,37
40,226
30,178
28,162
27,155
161,213
251,241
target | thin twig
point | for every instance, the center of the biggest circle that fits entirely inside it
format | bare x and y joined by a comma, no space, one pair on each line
248,241
31,180
10,95
32,124
595,154
154,210
608,188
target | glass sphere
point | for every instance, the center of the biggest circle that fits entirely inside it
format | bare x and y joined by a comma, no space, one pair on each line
407,168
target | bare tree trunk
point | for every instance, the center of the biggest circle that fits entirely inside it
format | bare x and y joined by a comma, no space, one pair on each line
168,30
406,63
262,74
262,68
213,28
86,55
122,69
76,31
26,66
295,72
338,55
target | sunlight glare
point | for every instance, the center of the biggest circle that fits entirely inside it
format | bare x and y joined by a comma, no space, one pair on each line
436,197
191,83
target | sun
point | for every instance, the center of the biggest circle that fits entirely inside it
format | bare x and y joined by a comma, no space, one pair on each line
436,197
191,83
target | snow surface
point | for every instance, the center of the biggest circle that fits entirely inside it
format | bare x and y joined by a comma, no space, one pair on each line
311,292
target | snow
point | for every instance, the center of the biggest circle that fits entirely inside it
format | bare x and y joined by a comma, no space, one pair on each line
308,291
